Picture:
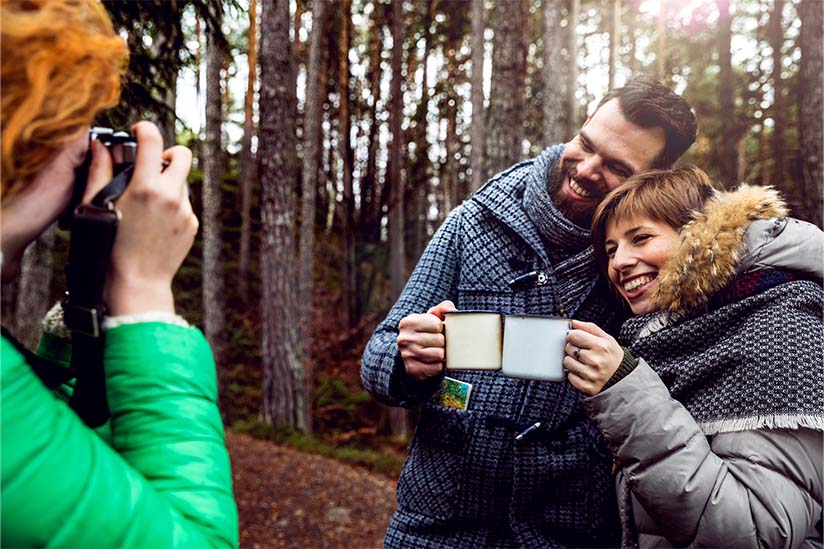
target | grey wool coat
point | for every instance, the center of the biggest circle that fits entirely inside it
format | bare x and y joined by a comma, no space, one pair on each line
744,470
466,481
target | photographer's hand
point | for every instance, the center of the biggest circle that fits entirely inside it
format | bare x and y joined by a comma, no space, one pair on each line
157,227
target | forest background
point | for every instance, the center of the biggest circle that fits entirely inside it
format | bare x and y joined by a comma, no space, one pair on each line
331,139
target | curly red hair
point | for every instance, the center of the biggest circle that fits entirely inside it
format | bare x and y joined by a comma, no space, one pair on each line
61,64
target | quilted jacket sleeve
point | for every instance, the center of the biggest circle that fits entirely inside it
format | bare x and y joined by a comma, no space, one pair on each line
164,481
759,488
434,279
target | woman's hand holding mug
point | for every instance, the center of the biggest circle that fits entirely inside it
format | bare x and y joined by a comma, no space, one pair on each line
157,225
592,356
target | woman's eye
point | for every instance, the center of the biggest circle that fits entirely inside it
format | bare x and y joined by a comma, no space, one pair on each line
640,238
610,252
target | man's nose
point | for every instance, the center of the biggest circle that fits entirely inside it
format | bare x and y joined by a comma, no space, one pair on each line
590,168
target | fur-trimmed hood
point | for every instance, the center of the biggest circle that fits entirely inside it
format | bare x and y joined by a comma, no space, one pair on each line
709,248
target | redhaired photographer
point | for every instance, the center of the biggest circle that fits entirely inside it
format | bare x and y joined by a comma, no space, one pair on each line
161,476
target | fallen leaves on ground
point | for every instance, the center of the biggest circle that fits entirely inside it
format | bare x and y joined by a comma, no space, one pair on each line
288,498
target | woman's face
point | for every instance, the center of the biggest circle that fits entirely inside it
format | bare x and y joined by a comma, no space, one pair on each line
637,248
38,204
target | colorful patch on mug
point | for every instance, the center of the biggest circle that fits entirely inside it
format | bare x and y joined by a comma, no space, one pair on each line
453,393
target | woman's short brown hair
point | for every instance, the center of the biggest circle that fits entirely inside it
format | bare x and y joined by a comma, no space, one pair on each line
668,196
61,64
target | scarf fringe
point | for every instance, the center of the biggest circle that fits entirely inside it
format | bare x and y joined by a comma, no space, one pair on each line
815,423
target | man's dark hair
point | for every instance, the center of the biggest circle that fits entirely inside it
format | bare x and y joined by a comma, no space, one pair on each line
649,104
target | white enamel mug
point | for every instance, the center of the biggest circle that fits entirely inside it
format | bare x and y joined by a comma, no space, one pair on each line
473,340
533,347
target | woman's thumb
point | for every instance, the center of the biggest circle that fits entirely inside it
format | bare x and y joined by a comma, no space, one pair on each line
100,171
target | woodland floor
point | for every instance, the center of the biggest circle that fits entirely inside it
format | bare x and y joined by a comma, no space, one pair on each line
288,498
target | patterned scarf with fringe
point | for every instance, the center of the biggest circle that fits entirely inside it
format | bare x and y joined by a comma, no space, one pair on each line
751,359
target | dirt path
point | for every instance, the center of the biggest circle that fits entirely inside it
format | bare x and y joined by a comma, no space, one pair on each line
287,498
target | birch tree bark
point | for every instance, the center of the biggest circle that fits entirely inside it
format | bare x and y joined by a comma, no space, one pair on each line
284,399
477,133
505,119
553,96
214,315
246,158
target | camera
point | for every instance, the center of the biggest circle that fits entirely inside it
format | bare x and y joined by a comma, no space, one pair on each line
123,148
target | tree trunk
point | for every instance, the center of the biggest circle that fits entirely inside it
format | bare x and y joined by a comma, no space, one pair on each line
811,14
572,82
246,159
33,289
214,316
614,41
661,56
632,23
553,99
505,119
477,133
348,237
284,398
777,144
727,149
397,254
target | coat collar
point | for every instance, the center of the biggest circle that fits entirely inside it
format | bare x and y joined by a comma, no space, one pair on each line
709,248
503,196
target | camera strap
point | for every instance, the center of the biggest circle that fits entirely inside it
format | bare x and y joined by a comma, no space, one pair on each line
93,233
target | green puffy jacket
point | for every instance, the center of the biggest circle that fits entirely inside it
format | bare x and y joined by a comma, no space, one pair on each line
163,479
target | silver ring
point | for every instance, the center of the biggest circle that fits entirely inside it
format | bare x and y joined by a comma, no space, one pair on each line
576,353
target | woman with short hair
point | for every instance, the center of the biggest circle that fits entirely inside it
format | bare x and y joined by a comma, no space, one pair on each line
714,410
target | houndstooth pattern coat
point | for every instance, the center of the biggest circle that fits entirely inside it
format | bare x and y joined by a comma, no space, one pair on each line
466,482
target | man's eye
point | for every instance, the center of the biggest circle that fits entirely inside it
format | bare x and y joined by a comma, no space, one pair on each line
585,145
620,171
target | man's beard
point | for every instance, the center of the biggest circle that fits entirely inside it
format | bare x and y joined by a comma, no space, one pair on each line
577,212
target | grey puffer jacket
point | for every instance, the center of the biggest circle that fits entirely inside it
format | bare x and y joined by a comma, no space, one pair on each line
755,482
466,482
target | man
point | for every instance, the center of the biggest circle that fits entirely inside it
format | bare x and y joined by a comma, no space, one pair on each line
467,481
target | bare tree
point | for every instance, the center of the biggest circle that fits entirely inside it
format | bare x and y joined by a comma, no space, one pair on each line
214,315
553,97
397,254
614,41
572,78
477,133
246,157
311,157
505,118
727,147
347,155
284,398
777,143
661,53
811,14
33,288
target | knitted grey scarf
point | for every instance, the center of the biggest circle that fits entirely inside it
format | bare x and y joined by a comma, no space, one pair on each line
567,244
748,364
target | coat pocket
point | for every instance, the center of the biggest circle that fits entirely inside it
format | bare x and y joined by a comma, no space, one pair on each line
431,476
485,298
